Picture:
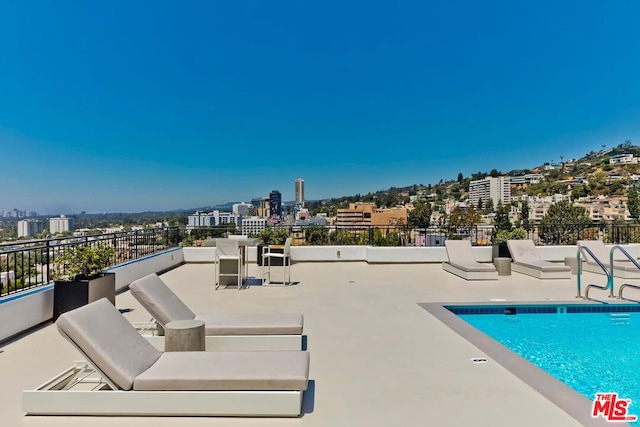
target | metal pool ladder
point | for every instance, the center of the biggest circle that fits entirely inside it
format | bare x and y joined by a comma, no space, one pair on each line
633,260
609,274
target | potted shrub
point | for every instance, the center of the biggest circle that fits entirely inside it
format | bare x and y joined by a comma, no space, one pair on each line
269,236
79,277
499,241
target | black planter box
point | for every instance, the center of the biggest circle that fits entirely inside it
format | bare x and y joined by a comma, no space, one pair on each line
71,294
274,261
500,250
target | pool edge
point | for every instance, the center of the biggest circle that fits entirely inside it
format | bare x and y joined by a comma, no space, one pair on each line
570,401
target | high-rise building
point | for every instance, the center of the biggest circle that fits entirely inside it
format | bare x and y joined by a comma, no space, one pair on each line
261,207
275,203
300,192
496,189
29,227
242,209
61,224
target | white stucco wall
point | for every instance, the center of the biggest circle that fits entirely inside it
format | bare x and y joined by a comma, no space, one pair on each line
23,311
28,309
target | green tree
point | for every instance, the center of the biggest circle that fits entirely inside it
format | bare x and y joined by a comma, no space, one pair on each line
460,177
501,221
524,215
317,235
420,215
489,206
343,237
579,191
633,203
388,239
597,180
562,223
463,220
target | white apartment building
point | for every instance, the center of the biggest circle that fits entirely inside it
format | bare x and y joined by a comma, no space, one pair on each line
497,189
253,225
226,218
538,206
61,224
623,159
30,227
211,219
598,208
527,179
200,219
112,230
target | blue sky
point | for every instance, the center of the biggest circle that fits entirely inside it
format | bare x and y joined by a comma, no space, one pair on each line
125,106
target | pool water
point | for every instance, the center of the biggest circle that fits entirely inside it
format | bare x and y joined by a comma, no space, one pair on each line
590,352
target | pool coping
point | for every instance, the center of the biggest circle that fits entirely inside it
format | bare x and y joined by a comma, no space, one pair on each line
570,401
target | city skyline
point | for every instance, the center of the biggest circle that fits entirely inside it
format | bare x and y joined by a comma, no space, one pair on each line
120,107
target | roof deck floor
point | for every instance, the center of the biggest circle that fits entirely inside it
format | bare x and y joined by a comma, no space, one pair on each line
377,357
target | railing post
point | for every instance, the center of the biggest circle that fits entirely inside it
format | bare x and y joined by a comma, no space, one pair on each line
48,255
579,274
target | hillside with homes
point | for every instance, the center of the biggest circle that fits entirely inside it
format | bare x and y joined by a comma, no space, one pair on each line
599,181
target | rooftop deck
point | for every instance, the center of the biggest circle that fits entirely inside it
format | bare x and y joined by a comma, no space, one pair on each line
377,357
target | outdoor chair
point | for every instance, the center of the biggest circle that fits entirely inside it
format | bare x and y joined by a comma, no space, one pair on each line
125,375
463,263
228,266
284,256
527,260
224,331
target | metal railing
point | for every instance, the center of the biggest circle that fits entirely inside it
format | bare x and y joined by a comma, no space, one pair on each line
28,264
479,235
607,272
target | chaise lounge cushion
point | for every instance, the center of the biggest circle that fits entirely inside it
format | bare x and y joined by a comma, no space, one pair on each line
113,345
109,342
460,255
165,306
252,323
525,253
473,267
545,266
259,370
156,297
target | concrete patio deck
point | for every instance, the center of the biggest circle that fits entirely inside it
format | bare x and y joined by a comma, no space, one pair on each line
377,357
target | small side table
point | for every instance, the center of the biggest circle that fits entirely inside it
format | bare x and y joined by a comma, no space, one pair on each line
503,265
572,262
184,335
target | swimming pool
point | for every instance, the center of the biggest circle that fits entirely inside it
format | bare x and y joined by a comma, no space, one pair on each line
590,348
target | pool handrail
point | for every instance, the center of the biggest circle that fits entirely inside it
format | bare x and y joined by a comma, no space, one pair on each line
632,259
609,274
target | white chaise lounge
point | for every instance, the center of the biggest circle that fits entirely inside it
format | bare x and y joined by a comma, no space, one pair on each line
463,263
125,375
527,260
224,331
621,269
